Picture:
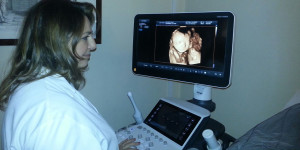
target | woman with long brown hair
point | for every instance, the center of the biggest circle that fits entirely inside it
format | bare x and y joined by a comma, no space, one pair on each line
43,108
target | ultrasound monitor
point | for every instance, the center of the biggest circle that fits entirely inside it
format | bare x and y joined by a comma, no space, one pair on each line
187,47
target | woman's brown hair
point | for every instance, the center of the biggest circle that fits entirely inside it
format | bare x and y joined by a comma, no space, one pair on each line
47,43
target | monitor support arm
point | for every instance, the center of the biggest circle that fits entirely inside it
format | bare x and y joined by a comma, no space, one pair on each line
202,97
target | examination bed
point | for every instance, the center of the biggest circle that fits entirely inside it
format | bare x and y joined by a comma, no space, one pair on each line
279,132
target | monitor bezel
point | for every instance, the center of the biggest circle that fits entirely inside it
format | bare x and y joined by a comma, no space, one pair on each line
219,82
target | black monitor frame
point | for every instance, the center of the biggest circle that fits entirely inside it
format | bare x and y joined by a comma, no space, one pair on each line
149,30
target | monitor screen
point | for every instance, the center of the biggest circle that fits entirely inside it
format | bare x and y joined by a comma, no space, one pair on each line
189,47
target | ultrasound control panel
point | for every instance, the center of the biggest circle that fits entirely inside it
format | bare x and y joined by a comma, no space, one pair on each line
171,125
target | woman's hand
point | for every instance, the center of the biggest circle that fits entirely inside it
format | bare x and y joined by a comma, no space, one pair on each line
128,144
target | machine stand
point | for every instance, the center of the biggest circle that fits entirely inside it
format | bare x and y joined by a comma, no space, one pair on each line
202,97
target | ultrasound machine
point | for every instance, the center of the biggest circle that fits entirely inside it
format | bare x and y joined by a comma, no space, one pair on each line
182,124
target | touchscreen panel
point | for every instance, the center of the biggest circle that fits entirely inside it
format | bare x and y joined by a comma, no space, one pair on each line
171,121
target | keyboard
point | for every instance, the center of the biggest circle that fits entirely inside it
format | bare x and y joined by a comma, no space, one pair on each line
149,138
171,125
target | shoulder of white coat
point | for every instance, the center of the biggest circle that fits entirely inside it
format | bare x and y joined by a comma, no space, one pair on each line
51,90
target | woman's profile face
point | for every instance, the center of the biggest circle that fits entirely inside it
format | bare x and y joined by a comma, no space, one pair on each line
86,45
181,41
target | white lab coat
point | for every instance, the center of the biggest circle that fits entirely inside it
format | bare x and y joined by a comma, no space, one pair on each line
50,114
